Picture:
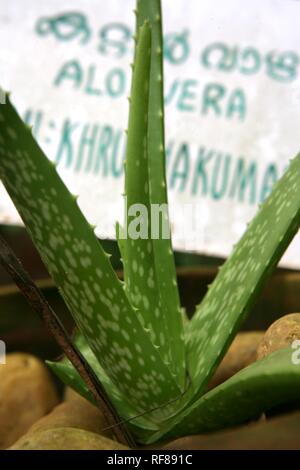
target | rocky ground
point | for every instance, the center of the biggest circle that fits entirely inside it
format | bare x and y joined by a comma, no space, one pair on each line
34,417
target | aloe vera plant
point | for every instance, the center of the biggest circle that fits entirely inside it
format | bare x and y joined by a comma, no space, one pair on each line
153,365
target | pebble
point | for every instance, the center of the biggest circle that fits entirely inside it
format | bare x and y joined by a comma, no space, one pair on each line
279,335
26,394
240,354
66,438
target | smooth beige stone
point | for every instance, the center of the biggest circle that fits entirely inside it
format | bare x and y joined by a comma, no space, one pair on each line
70,395
65,438
241,353
26,394
279,335
75,413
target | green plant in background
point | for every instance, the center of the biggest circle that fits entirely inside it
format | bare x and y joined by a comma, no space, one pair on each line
153,365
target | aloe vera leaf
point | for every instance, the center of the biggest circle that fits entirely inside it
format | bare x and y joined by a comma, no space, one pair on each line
240,280
80,267
162,247
141,284
267,383
69,375
149,265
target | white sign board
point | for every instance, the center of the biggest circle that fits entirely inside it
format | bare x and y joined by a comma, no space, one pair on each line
232,89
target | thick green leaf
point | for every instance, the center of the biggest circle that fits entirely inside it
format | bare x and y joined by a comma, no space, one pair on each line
139,268
240,280
259,387
80,267
140,264
69,375
151,188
